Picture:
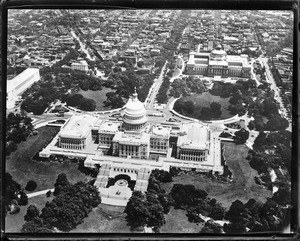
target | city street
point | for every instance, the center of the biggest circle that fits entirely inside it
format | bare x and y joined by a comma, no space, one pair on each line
276,90
154,89
82,47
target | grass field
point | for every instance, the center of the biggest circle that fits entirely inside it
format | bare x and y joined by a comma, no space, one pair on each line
205,99
104,219
98,96
22,168
14,222
243,186
177,222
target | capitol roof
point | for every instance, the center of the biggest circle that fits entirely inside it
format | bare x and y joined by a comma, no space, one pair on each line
78,127
109,127
161,131
196,137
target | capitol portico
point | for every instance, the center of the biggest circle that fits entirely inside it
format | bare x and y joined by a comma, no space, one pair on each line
133,146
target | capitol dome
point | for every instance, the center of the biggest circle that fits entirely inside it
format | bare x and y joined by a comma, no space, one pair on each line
135,115
218,54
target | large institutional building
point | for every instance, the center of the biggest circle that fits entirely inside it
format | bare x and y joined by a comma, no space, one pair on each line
218,63
134,147
17,85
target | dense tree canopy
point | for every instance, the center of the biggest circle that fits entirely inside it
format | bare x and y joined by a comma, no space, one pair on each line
211,227
18,128
32,213
144,210
87,104
71,205
256,217
13,194
186,86
186,195
241,136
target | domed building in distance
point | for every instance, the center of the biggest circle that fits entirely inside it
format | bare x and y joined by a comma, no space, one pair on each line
218,63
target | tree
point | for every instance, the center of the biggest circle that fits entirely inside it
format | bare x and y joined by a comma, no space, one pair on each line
217,211
11,147
241,136
277,123
36,226
61,181
32,213
161,175
23,198
136,210
211,227
70,206
235,211
187,195
155,210
283,195
30,186
48,194
74,99
87,104
11,191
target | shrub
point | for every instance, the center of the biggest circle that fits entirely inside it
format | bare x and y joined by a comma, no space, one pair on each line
31,185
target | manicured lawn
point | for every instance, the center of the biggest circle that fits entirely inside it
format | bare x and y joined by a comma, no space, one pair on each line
14,222
243,186
98,96
22,168
104,219
205,99
177,222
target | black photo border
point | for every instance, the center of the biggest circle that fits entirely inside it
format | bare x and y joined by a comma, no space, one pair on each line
292,5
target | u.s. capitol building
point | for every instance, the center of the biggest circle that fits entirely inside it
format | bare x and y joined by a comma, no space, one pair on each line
132,145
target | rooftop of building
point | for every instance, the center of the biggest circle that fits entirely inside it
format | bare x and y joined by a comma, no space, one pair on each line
129,138
78,126
81,62
109,127
160,131
16,81
196,137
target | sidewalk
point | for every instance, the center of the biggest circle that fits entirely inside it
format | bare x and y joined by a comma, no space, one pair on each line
39,193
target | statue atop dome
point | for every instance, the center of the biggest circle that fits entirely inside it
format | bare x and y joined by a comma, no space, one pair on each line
135,95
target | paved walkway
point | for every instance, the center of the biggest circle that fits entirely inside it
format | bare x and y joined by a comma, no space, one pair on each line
34,194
